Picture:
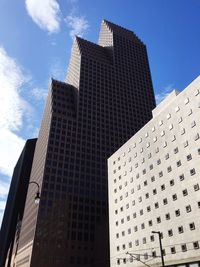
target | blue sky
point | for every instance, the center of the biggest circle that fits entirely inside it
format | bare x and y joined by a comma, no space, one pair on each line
35,44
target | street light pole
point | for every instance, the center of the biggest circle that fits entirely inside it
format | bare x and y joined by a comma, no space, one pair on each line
37,196
160,243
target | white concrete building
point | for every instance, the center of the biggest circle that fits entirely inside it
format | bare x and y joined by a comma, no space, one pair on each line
154,185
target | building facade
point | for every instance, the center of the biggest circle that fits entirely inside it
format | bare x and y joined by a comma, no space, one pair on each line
107,97
16,201
154,186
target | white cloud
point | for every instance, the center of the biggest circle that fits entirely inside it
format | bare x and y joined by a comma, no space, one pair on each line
4,187
77,24
2,205
11,147
45,13
12,110
39,93
164,93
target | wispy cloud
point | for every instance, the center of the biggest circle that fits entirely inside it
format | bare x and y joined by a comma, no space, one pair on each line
78,25
164,93
39,93
56,70
45,13
76,22
12,109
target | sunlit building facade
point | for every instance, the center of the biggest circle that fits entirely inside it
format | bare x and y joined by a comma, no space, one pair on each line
154,185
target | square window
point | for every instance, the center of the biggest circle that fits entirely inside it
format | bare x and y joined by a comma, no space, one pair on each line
185,192
152,238
165,144
192,171
158,220
176,150
192,226
173,138
177,213
148,208
178,163
165,201
171,182
144,240
168,116
169,169
150,223
182,131
186,101
151,167
174,197
189,157
183,247
173,250
154,191
196,245
196,137
188,208
193,124
167,156
158,162
162,133
167,216
170,232
196,187
180,120
185,144
156,205
137,242
162,187
153,254
181,177
180,229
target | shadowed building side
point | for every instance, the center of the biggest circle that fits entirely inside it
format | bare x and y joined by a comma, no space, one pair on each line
16,201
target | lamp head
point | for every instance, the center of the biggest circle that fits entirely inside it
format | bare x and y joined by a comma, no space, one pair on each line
37,198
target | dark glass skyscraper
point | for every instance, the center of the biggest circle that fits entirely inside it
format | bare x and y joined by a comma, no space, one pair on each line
107,97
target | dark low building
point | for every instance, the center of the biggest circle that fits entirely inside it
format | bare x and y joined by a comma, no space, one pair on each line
16,201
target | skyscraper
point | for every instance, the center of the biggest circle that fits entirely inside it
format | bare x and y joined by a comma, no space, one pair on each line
16,201
107,97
